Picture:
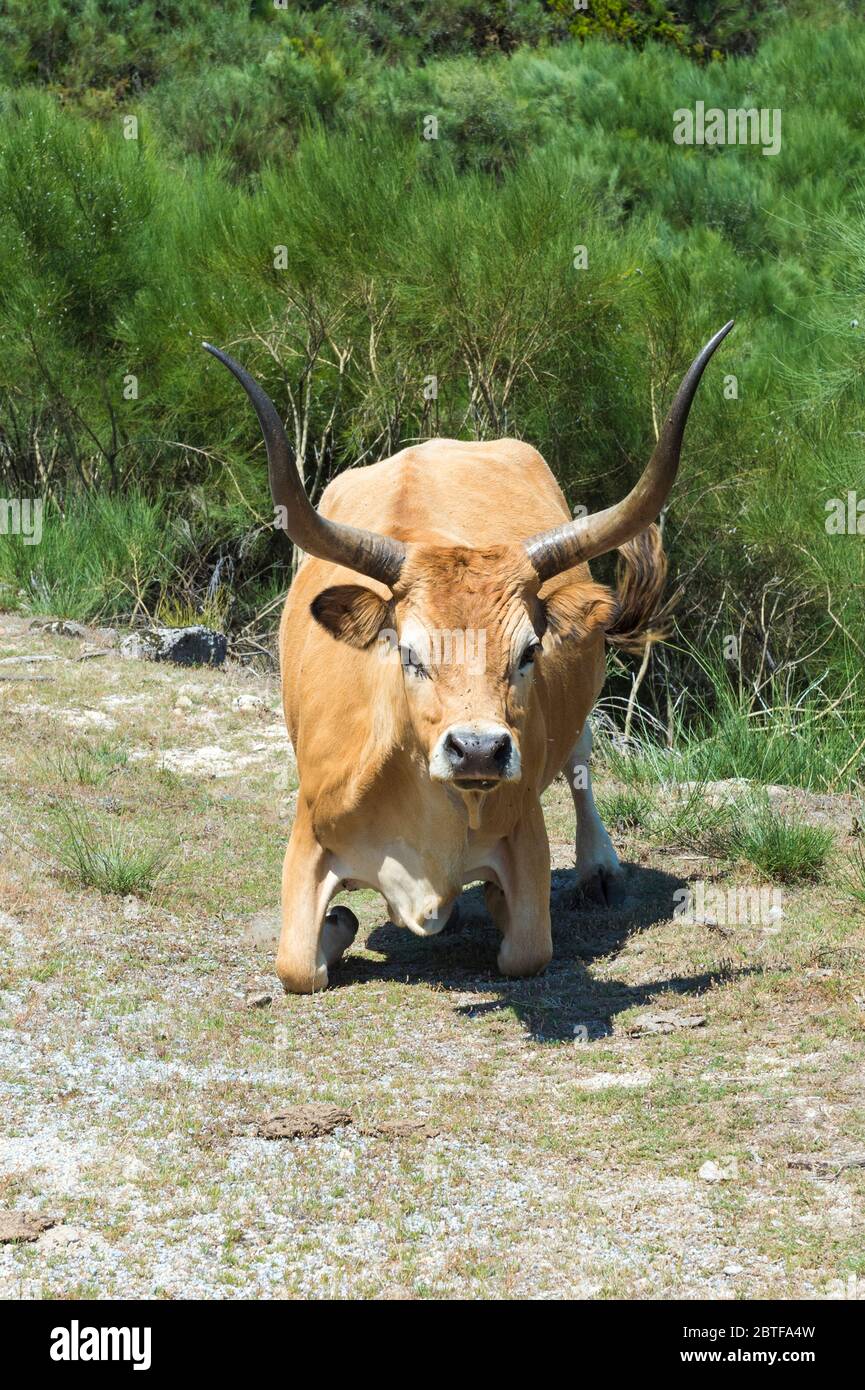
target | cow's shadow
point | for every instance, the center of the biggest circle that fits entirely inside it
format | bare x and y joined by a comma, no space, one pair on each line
567,1001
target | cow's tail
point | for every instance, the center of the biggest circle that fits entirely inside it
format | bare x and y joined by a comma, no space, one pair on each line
641,574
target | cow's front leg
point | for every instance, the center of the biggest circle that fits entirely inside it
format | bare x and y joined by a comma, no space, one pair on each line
521,907
599,874
309,942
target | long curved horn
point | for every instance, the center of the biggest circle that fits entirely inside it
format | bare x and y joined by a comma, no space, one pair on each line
553,551
378,557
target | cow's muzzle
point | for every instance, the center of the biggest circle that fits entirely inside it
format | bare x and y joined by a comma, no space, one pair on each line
475,757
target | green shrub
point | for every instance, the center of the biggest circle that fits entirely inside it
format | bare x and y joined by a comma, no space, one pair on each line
281,200
480,124
702,28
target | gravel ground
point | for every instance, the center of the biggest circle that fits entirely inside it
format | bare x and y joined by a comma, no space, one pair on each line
135,1069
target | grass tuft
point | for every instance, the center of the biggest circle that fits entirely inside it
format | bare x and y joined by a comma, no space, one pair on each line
89,766
107,860
781,847
625,808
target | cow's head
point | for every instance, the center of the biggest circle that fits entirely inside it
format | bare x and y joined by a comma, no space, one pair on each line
466,629
467,626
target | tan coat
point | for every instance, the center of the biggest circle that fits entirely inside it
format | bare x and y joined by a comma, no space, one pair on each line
366,728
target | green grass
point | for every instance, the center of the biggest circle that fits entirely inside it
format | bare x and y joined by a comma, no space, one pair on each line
406,258
687,819
89,765
101,557
625,808
766,736
728,730
785,849
109,859
175,1071
688,815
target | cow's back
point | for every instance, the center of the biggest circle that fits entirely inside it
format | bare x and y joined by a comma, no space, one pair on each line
451,491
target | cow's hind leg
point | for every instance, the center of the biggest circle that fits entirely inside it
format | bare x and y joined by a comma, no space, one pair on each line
312,939
600,876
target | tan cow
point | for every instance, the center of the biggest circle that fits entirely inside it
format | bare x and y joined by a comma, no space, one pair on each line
430,705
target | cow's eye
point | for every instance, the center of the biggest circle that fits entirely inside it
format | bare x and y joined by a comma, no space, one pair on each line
530,651
413,664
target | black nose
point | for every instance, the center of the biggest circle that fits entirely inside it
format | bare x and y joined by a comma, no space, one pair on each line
477,755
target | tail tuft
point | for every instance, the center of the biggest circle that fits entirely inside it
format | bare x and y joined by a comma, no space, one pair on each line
640,578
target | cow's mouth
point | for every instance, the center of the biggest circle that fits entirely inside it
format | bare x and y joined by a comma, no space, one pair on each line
476,784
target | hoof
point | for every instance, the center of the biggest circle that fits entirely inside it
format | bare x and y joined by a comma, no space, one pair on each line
337,933
603,888
343,919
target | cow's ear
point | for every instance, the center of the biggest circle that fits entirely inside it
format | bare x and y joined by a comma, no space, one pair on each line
351,613
576,610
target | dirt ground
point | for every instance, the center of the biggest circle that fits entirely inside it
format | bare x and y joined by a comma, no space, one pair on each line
543,1139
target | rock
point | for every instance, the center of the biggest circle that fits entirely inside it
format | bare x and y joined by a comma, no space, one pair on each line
666,1022
303,1122
29,658
827,1167
21,1226
248,701
184,646
136,646
258,999
60,1237
719,1172
65,628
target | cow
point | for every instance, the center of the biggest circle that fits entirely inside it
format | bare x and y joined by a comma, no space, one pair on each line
431,704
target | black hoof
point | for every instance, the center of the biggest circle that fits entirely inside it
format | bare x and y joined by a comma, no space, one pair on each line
343,917
602,890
